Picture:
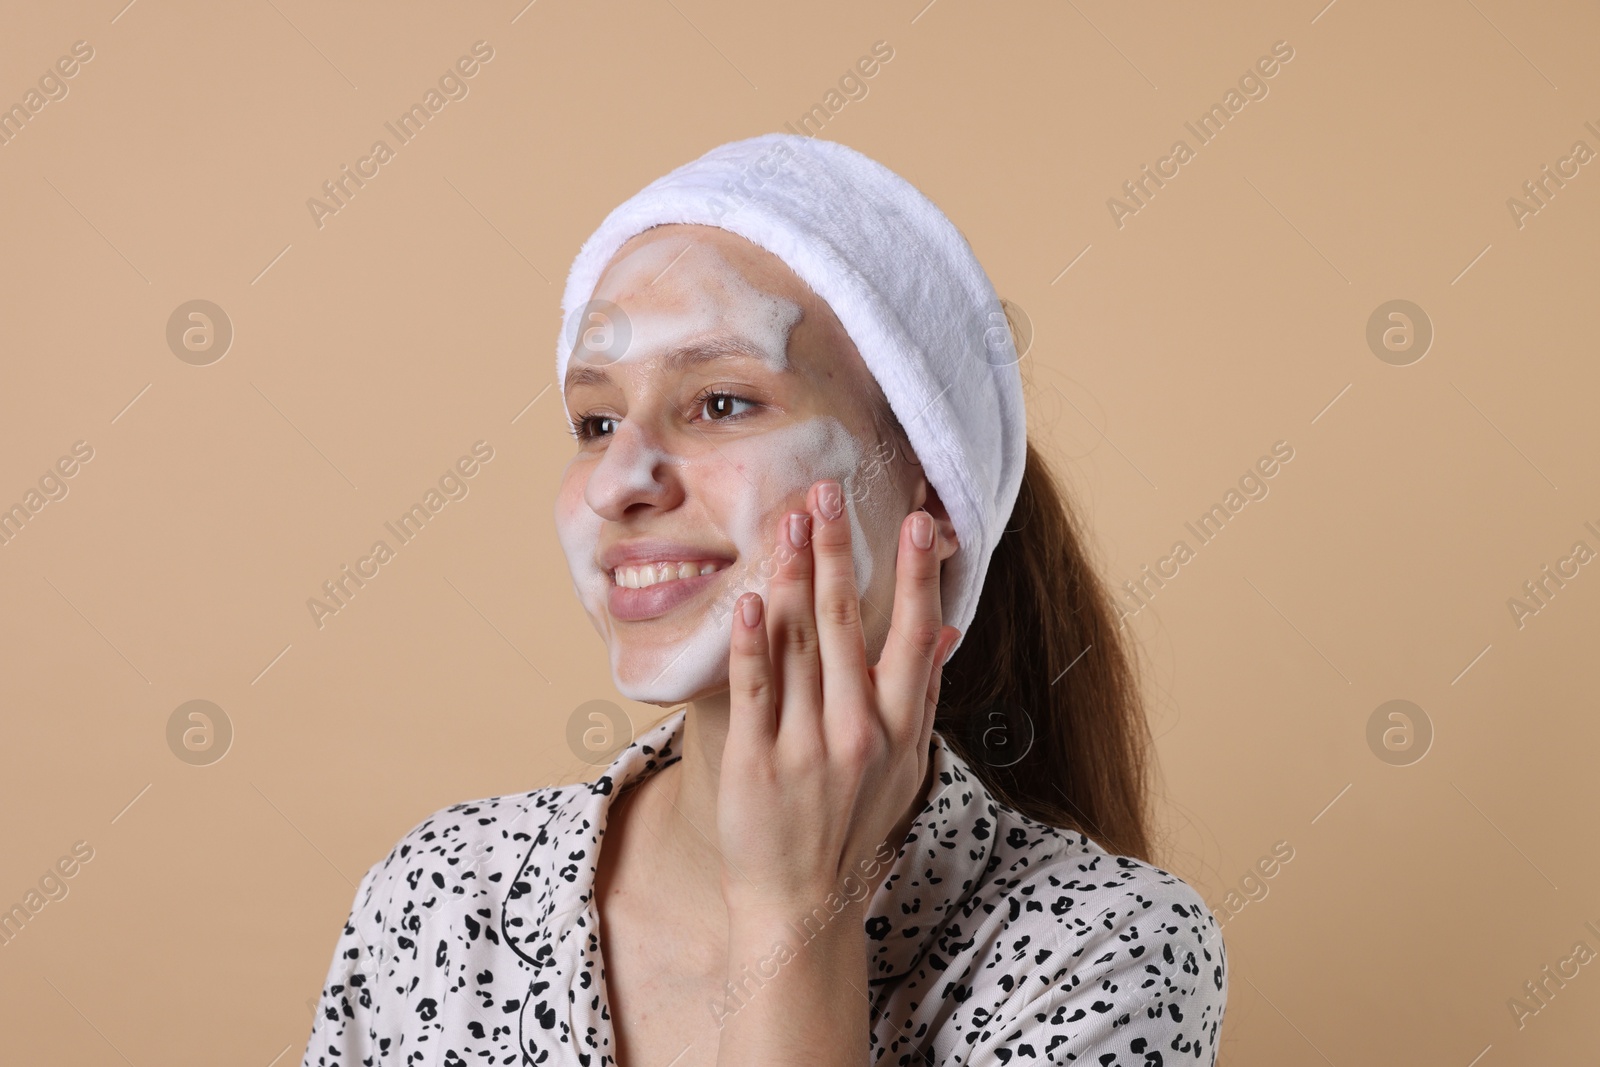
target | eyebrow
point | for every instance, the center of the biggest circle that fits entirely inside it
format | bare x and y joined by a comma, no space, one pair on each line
707,350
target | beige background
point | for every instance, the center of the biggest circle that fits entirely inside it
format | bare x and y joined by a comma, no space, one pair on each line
1229,313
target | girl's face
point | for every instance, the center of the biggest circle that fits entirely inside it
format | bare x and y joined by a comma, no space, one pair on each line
706,400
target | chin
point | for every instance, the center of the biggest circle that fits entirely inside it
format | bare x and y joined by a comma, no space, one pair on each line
677,673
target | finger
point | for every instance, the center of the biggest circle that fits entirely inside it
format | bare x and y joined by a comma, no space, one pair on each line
941,656
792,628
915,626
811,497
752,727
838,606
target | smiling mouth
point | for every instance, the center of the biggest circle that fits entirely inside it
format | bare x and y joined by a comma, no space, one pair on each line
646,575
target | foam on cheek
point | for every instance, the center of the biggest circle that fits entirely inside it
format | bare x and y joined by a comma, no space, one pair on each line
778,468
578,529
629,469
785,463
770,474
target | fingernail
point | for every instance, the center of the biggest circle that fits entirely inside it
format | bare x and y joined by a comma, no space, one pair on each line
799,529
922,530
947,650
750,610
830,501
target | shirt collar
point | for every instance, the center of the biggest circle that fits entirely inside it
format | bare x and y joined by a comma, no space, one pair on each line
943,858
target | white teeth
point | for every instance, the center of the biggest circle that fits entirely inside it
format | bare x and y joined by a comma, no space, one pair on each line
646,575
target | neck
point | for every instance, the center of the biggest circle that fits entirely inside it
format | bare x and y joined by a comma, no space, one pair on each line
682,804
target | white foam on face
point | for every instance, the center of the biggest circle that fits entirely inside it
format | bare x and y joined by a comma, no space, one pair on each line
578,528
738,489
709,295
780,466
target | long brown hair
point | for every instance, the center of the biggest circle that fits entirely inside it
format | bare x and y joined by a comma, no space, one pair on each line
1042,697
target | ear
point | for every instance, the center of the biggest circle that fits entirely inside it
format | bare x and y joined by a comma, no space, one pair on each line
926,497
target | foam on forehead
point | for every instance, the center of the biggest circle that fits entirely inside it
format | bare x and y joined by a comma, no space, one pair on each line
708,293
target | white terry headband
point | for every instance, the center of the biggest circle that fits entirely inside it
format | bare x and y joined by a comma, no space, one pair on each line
906,287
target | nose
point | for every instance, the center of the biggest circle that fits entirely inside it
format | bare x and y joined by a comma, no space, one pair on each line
635,471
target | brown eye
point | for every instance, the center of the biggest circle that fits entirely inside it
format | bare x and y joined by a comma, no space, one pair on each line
722,405
592,426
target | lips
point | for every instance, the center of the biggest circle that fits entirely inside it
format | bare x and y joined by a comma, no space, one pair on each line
649,578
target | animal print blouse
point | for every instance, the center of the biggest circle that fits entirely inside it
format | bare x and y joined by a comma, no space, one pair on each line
993,940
